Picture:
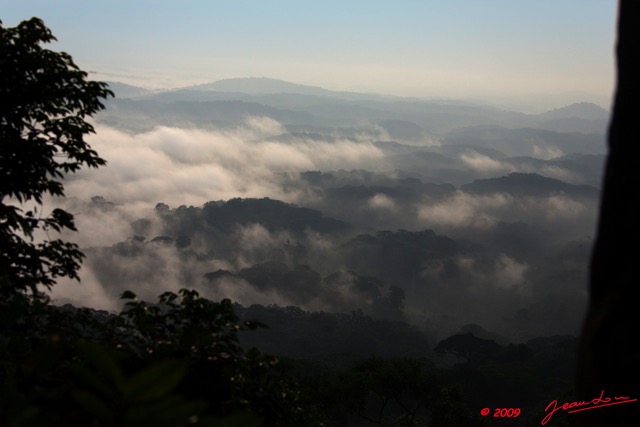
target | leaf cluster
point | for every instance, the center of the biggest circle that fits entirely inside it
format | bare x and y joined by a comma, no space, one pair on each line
46,103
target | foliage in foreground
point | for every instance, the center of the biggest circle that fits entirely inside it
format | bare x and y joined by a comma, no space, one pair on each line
174,363
46,102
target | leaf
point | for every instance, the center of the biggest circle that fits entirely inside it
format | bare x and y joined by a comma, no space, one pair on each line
156,381
169,411
105,376
128,295
97,409
238,419
45,101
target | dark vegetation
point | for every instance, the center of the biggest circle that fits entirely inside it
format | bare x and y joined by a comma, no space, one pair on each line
187,360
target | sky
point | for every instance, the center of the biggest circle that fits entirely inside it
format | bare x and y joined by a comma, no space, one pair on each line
492,49
549,52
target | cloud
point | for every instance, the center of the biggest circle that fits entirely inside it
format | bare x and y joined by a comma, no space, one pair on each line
560,207
253,243
264,126
510,273
89,292
240,291
190,166
482,163
558,173
145,268
465,210
260,159
382,202
547,152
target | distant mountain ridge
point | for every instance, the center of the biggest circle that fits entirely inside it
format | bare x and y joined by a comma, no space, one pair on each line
520,184
583,110
123,90
228,102
262,86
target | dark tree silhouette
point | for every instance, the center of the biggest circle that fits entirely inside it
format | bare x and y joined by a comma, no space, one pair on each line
468,346
609,358
45,101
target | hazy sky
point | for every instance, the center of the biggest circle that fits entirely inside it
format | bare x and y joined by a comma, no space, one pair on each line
451,48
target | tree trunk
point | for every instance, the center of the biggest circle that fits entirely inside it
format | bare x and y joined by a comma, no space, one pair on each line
609,355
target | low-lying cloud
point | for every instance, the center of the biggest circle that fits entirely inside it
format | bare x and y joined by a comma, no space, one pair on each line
484,211
261,159
465,210
483,163
191,166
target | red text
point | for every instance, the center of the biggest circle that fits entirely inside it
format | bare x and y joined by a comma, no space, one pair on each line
584,405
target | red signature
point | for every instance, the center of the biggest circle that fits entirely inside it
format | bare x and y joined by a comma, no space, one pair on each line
571,407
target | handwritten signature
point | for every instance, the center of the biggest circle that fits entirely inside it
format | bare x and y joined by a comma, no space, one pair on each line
571,407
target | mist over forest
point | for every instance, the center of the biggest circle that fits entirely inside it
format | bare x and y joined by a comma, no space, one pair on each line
439,213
